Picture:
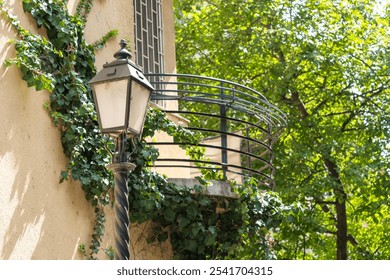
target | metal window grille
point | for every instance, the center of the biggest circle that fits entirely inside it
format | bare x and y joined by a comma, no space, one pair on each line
149,37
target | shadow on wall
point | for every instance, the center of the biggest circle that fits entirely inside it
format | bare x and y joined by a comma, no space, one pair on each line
39,218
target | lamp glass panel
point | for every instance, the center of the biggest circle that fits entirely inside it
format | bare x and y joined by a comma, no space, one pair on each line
111,102
138,106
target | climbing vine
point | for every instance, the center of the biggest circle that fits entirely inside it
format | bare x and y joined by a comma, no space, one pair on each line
198,226
63,63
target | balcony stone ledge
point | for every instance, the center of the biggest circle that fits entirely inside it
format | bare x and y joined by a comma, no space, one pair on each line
215,188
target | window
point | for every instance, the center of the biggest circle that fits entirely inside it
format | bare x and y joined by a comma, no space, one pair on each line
149,36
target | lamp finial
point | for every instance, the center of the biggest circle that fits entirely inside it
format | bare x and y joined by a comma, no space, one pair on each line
123,53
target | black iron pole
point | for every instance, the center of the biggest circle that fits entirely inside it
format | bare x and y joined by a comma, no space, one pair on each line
121,168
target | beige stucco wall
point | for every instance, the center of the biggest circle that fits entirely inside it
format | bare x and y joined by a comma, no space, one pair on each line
39,217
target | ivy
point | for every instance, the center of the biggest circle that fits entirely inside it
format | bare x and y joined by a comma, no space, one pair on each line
198,226
62,64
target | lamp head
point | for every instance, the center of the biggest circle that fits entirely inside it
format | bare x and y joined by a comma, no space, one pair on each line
121,95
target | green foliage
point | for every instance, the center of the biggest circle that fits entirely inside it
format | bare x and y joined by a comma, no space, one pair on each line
97,236
263,213
325,64
83,9
102,42
199,226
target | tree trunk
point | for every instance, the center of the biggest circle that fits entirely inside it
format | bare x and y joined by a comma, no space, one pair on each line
341,211
341,196
342,235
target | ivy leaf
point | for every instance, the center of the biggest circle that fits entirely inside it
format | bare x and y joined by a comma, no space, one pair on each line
169,214
183,222
190,245
210,239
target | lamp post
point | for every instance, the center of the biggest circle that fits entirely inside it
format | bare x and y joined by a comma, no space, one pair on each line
121,94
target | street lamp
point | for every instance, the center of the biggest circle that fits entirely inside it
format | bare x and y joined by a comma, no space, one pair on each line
121,94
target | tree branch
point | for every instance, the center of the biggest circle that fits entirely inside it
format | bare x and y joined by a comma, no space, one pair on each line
367,95
325,202
352,240
301,106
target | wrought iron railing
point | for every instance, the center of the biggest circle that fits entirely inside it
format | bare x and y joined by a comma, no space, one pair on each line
239,125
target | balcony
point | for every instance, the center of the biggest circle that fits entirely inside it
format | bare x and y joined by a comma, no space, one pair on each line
238,125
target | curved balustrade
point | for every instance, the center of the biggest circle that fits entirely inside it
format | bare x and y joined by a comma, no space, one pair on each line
238,124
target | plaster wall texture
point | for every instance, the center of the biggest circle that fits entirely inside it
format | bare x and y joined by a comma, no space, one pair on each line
41,218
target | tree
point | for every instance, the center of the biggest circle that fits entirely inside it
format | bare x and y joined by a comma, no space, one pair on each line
326,65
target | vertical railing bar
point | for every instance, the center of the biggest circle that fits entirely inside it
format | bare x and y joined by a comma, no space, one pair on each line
248,149
223,127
